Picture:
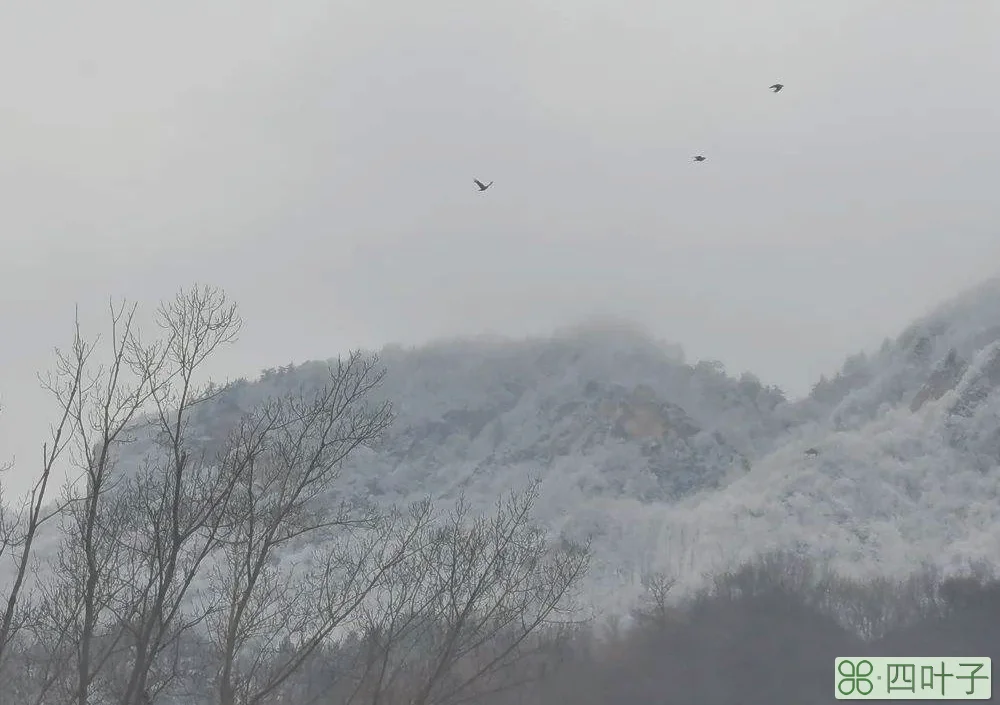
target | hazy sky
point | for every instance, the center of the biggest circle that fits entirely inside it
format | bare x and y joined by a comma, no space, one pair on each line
316,160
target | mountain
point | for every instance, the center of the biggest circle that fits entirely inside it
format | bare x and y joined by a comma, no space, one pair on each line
678,467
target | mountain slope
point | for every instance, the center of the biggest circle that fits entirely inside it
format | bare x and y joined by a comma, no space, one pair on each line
679,467
622,408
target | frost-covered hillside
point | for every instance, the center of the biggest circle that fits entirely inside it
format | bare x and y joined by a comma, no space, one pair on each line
605,410
678,467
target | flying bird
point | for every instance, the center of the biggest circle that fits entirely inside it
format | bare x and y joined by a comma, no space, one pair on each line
481,185
699,158
777,87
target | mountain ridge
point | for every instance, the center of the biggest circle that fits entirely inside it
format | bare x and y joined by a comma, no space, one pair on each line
680,468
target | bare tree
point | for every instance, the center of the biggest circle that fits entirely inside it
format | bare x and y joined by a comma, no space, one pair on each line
654,610
99,405
303,610
19,529
179,497
128,581
134,536
462,619
275,615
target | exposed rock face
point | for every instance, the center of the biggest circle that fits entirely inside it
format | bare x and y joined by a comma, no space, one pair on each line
682,456
641,416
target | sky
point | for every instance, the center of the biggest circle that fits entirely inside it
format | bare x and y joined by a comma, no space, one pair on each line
315,160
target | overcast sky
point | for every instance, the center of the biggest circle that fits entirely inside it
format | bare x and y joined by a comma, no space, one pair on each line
316,160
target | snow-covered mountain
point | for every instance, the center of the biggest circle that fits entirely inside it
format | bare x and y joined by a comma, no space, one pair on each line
678,467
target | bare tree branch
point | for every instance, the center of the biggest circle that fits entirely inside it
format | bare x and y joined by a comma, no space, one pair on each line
287,497
462,615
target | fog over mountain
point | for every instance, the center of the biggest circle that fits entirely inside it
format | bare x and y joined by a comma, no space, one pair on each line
636,260
673,465
676,514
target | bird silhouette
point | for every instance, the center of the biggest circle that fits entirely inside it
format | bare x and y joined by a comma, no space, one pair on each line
481,185
699,158
777,87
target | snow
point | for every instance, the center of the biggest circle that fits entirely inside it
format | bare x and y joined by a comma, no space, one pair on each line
723,474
